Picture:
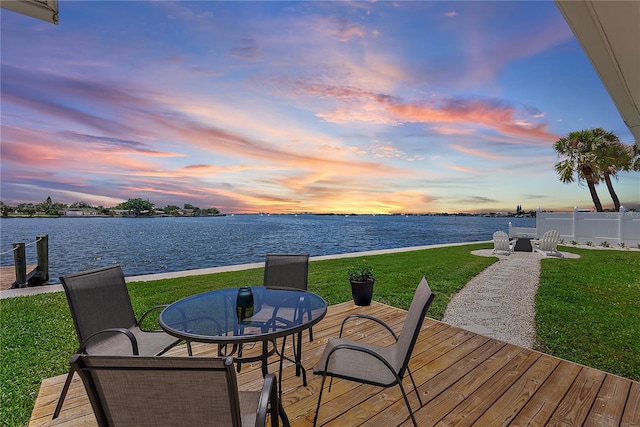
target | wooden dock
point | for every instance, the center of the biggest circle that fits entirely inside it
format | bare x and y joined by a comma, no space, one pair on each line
8,275
464,379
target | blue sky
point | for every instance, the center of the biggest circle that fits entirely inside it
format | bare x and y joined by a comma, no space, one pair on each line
299,106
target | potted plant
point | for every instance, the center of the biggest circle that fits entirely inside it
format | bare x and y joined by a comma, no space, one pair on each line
362,280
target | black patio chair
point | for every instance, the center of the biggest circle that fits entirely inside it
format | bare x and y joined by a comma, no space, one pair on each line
173,391
289,272
373,364
104,319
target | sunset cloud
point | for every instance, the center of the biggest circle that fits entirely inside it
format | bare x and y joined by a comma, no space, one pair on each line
478,153
249,49
366,106
117,144
297,106
465,170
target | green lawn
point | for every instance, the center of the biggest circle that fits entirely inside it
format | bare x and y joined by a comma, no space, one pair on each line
37,336
588,310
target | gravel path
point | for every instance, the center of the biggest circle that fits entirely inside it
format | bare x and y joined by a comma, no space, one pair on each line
499,302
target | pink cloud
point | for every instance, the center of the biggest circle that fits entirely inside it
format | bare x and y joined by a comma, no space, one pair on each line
338,28
478,153
466,170
484,112
365,105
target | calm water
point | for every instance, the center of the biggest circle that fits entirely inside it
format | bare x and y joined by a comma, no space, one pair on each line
158,245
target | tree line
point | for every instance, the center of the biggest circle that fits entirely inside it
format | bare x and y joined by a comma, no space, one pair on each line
132,207
593,156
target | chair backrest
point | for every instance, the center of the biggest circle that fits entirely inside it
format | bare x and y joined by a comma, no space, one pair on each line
413,322
501,241
549,241
153,391
98,299
286,271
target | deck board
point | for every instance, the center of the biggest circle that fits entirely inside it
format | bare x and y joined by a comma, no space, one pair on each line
463,378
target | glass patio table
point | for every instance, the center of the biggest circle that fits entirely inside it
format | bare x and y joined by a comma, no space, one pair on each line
216,317
212,317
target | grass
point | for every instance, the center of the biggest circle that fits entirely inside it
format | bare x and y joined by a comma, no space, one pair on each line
587,310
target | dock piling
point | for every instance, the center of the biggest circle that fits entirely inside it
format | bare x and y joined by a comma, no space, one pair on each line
42,252
40,274
20,265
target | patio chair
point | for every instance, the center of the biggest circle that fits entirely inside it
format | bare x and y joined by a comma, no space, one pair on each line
548,245
104,319
286,271
173,391
289,271
372,364
501,243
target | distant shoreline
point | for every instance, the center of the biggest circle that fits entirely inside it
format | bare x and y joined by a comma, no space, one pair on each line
443,214
107,216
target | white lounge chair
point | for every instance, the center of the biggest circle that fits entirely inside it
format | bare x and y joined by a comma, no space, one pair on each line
501,243
548,245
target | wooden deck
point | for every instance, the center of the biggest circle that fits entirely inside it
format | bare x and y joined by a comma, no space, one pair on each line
463,378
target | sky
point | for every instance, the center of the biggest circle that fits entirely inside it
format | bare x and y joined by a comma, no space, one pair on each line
304,106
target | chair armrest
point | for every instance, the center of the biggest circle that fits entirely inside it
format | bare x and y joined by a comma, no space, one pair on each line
365,316
299,305
268,400
125,331
355,347
146,313
185,321
291,302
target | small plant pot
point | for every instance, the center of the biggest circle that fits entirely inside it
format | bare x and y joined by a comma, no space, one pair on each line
362,292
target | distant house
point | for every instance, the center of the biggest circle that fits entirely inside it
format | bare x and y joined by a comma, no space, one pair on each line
79,212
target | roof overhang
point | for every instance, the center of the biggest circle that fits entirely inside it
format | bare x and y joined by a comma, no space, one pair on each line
609,32
47,10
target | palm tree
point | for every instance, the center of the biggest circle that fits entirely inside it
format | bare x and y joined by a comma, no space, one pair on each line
581,161
594,155
612,155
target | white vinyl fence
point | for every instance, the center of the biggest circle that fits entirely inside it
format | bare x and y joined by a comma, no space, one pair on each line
613,228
